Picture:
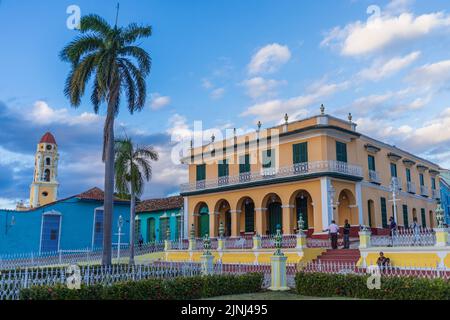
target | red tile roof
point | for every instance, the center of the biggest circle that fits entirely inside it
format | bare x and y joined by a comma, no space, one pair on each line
95,194
160,204
48,138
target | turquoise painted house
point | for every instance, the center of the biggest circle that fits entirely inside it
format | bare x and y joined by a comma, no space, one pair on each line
74,223
155,216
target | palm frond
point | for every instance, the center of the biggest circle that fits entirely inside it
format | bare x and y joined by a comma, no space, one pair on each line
134,32
95,23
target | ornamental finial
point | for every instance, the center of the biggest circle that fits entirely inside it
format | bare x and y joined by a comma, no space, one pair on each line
278,242
192,231
300,224
213,137
286,118
322,109
350,117
207,245
259,124
221,229
168,233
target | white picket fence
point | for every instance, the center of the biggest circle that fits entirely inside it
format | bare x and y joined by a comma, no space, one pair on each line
66,257
422,237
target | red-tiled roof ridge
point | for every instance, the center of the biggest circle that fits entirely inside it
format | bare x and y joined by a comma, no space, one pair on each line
160,204
95,194
48,138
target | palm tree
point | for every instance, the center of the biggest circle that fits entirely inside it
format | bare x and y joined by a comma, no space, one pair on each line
132,167
117,66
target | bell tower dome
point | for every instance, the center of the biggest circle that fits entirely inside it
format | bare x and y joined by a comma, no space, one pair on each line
44,189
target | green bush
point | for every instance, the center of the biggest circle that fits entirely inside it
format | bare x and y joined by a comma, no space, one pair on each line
355,286
153,289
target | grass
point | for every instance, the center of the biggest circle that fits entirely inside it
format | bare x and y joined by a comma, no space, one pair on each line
271,295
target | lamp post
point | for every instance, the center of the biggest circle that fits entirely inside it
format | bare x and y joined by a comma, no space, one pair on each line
119,234
394,189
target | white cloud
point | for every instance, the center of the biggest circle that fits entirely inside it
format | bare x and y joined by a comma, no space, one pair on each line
431,75
19,160
398,6
269,59
274,110
207,84
8,204
380,70
158,101
259,87
360,38
217,93
41,113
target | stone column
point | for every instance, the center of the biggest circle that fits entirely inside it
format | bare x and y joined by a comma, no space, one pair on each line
235,225
260,220
364,239
288,223
213,227
278,264
441,237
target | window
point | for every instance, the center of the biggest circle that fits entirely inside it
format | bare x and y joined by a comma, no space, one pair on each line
408,175
405,216
50,232
223,168
393,170
384,213
47,161
137,230
163,226
244,164
371,160
433,183
300,152
201,172
268,159
424,217
249,217
45,194
97,241
341,151
422,180
47,175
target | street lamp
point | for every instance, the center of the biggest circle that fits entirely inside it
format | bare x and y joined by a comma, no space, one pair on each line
394,189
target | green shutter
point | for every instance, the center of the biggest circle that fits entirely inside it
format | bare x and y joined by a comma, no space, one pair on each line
408,175
300,152
384,213
201,172
422,181
393,170
371,160
424,218
405,216
369,214
268,161
244,164
341,151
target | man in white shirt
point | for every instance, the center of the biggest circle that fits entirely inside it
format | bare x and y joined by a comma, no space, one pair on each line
333,229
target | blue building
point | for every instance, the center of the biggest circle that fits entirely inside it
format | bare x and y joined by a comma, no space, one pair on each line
154,216
445,194
73,223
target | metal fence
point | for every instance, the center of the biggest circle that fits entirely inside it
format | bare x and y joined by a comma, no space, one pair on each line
66,257
422,237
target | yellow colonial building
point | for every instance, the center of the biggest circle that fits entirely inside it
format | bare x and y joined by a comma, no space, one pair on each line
320,168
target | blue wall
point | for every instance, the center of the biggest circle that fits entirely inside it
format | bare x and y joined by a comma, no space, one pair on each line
75,231
159,216
445,200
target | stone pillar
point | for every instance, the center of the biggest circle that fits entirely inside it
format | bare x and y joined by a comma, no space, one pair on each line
327,208
359,204
441,237
260,220
213,227
364,239
301,241
220,244
288,222
278,264
235,225
167,245
192,243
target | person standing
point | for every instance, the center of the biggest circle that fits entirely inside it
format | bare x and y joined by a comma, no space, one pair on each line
333,229
393,229
416,231
346,234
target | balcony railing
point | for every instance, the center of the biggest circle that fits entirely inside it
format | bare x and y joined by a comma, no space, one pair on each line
374,176
267,174
424,191
436,193
411,187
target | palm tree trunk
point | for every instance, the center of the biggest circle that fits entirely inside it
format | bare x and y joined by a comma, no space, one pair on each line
132,224
108,205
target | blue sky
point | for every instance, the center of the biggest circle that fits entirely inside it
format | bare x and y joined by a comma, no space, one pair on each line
228,63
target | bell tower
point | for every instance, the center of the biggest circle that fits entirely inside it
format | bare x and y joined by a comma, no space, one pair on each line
44,189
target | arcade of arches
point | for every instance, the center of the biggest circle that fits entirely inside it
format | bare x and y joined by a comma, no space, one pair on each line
262,210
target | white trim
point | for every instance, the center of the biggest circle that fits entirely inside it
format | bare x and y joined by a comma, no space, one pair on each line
186,218
93,225
359,203
50,213
327,214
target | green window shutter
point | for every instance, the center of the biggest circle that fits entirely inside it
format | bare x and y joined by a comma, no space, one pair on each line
371,160
223,168
424,218
408,175
268,161
296,153
244,164
393,170
201,172
300,152
384,213
433,183
369,214
341,151
405,216
422,181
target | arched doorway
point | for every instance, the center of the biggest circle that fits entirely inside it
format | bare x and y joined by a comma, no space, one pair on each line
414,212
203,221
222,209
371,214
274,214
430,214
345,212
247,207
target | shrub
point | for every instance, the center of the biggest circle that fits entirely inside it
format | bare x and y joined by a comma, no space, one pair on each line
152,289
355,286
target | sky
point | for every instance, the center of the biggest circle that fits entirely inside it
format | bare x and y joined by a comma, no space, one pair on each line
229,64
